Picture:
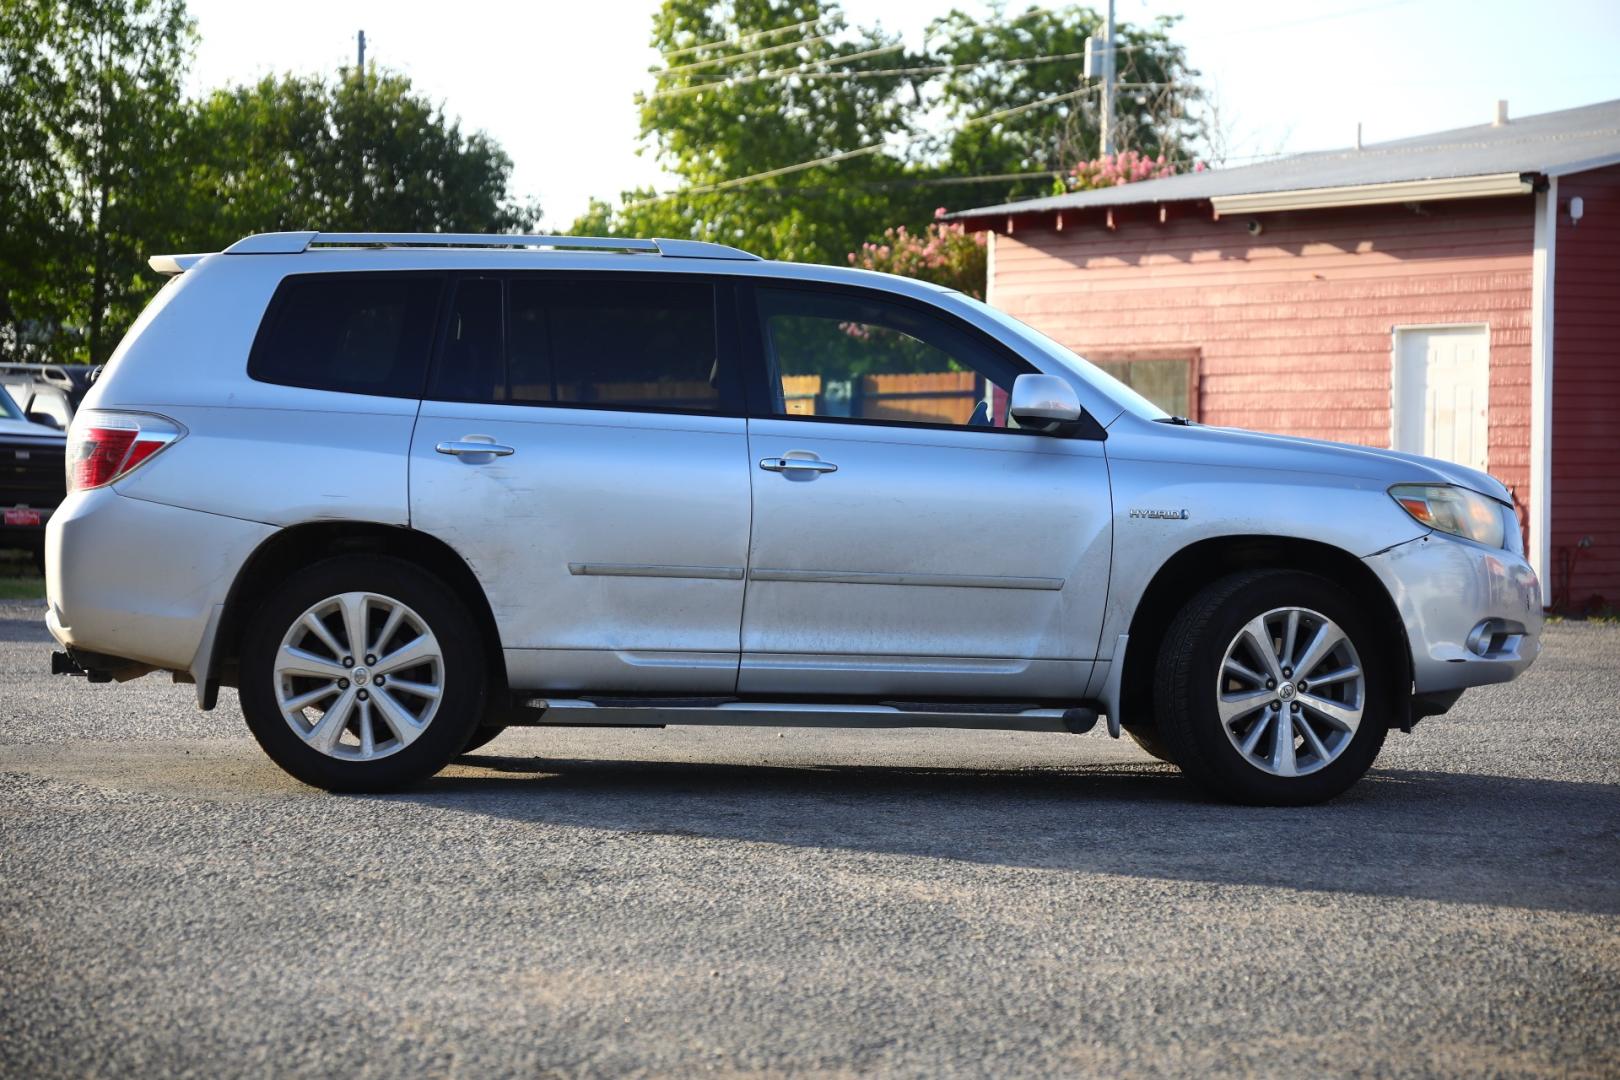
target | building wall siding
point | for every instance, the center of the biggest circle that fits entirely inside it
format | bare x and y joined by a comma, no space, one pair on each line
1586,388
1294,326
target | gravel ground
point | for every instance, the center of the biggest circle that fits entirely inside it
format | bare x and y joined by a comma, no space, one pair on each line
745,901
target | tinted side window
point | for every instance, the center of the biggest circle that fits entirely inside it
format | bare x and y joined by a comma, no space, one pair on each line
844,355
648,344
605,342
355,333
470,366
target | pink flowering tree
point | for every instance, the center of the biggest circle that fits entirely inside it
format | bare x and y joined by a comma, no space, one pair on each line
944,252
1125,167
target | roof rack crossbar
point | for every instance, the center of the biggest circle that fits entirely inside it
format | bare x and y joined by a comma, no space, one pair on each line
295,243
479,240
677,249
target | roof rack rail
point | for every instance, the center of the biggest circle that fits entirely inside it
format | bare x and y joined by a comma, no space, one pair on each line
291,243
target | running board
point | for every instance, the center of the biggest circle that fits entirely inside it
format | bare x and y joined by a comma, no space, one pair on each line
655,712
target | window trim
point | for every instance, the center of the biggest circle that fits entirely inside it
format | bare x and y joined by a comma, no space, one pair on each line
727,352
279,299
758,371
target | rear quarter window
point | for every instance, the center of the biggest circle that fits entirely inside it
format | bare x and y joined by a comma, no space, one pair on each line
351,333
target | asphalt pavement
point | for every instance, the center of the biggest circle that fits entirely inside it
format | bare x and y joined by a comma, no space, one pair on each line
748,901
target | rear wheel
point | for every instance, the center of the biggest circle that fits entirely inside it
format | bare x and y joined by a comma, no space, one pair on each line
362,674
1268,689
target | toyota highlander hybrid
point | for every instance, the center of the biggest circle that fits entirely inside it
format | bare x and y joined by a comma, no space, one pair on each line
402,491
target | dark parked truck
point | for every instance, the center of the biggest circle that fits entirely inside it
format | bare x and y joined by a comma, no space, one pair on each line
32,480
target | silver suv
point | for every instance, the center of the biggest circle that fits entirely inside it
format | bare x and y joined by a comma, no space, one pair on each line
402,491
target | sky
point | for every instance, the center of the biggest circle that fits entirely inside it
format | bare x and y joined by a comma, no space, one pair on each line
552,80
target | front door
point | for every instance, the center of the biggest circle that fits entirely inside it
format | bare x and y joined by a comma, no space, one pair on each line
908,540
608,520
1442,392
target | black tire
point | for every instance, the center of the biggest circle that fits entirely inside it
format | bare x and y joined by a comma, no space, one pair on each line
1148,739
461,704
482,737
1190,662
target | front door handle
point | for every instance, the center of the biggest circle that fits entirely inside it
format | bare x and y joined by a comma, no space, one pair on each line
471,447
795,464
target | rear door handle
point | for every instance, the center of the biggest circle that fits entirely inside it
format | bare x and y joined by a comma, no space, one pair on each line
794,464
470,446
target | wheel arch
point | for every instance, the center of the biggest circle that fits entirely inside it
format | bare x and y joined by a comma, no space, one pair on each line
1199,564
301,545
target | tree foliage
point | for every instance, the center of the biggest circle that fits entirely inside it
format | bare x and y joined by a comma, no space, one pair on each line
748,95
92,124
351,153
106,163
717,114
944,253
1000,71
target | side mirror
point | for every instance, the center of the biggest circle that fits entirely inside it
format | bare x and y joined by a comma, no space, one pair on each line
36,417
1044,403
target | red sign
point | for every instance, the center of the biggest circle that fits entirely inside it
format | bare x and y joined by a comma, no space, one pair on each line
22,517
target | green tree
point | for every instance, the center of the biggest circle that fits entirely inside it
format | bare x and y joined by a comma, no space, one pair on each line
351,153
1000,69
92,127
751,90
728,106
105,163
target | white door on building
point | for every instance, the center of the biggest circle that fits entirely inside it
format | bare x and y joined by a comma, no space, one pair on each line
1442,393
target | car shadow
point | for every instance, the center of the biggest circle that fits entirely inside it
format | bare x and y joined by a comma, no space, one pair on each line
1455,838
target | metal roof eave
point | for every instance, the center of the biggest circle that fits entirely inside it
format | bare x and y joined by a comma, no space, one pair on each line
1589,164
1404,191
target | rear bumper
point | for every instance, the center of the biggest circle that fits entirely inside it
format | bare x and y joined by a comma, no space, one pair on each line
1472,614
140,580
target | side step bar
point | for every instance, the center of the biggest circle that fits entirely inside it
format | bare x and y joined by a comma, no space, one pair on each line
655,712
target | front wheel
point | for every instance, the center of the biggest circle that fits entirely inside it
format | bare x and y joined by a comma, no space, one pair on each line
1268,689
482,737
362,673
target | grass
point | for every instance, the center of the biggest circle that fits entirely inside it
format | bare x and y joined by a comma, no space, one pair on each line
19,580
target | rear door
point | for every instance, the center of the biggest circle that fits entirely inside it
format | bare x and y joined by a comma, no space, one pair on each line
608,521
908,539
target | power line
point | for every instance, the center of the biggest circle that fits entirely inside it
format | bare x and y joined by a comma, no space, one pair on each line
831,159
743,40
911,182
843,155
999,113
705,189
798,43
803,70
933,69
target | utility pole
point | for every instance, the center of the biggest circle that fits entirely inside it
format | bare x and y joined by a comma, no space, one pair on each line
360,65
1108,84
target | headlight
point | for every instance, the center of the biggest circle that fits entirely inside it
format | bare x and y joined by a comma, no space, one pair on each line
1454,510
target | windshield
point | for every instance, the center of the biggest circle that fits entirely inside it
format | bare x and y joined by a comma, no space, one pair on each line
1105,384
8,408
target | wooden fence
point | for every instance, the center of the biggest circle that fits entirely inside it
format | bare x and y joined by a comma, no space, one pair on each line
934,397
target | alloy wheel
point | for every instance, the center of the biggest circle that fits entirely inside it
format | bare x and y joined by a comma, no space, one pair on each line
1291,691
359,676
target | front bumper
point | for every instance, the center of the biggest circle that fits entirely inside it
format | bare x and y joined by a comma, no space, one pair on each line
140,580
1472,614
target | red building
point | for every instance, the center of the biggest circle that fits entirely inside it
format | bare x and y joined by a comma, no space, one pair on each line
1456,295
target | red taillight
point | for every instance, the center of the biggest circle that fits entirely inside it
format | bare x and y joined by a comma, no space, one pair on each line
103,446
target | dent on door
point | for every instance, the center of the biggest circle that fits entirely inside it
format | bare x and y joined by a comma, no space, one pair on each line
612,546
929,562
